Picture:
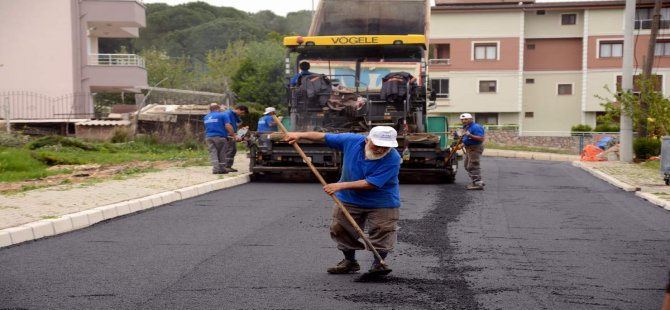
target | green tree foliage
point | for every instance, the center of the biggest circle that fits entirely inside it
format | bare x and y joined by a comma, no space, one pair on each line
173,72
298,23
657,116
259,77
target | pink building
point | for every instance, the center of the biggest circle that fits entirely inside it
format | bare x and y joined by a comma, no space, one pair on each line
539,66
50,65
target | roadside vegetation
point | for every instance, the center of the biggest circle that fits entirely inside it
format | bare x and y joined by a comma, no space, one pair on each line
24,158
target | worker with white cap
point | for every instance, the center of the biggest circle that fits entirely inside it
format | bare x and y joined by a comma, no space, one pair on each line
473,145
369,190
266,123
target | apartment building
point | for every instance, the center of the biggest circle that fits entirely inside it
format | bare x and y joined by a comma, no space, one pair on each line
50,64
538,66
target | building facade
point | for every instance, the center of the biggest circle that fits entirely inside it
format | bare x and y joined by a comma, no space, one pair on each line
536,66
50,64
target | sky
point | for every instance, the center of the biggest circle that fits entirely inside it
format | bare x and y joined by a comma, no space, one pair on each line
279,7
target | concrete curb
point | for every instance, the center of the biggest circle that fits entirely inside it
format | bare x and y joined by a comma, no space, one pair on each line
599,174
69,222
654,199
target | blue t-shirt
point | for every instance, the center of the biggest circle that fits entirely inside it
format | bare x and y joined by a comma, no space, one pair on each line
382,173
297,76
232,119
266,124
214,124
474,129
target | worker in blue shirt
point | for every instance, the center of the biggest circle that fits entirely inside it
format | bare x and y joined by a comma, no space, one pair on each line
232,121
369,190
304,70
216,137
267,123
473,144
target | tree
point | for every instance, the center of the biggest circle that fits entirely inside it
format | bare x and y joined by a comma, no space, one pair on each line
260,76
177,72
656,116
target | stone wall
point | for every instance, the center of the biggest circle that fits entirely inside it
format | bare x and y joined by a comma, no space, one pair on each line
564,143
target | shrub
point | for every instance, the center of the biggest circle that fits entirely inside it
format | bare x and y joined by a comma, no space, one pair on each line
62,141
13,140
607,127
120,135
646,147
581,128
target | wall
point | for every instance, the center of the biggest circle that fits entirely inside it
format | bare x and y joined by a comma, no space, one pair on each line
37,51
549,25
568,143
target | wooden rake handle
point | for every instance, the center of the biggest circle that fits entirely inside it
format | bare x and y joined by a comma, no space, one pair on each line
337,200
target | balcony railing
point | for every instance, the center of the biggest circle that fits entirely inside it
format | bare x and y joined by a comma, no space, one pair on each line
116,60
440,61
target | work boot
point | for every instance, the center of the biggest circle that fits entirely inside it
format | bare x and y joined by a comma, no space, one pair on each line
345,266
472,187
219,172
231,169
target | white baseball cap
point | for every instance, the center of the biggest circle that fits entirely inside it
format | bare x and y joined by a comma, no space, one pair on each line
269,110
466,116
383,136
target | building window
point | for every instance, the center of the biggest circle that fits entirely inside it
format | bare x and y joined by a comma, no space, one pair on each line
486,51
488,86
530,81
529,114
565,89
643,18
486,118
441,55
540,12
441,87
662,48
610,49
568,19
530,46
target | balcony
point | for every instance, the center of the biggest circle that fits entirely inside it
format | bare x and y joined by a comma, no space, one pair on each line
441,62
114,19
115,72
115,60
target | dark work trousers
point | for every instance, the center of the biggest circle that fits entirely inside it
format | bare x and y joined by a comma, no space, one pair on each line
473,154
217,153
231,150
380,224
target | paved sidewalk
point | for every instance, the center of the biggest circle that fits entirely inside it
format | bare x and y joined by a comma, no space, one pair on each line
50,211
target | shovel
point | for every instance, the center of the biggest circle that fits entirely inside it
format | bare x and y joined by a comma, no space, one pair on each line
337,200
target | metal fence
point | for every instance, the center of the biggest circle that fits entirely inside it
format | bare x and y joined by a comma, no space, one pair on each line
28,105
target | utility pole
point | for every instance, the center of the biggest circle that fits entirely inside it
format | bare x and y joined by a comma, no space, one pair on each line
642,130
626,128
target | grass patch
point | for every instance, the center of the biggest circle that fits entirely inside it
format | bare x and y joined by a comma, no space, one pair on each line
33,160
524,148
651,165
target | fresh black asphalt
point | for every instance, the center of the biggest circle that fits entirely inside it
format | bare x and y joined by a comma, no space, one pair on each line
542,235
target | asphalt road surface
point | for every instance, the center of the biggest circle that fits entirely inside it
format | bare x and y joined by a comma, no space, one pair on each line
543,235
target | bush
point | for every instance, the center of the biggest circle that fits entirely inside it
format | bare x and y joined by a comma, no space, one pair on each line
120,135
62,141
607,127
13,140
581,128
646,147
